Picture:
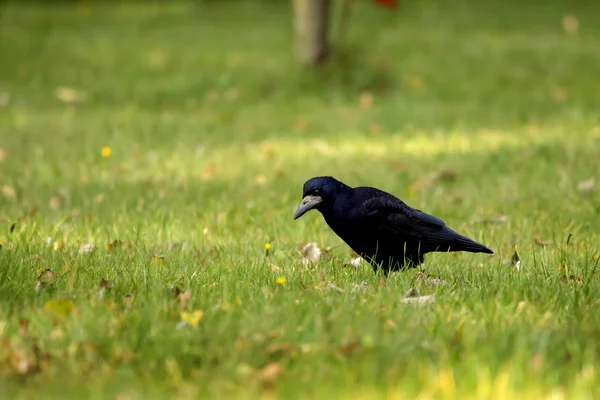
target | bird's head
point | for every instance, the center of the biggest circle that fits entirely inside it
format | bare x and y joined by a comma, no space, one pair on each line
318,193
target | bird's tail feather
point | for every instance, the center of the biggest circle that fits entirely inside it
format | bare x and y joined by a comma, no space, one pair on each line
452,241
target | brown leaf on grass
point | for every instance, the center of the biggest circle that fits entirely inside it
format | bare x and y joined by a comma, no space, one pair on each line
570,25
20,362
390,325
348,348
9,192
540,242
115,244
278,350
586,185
209,172
55,202
365,100
374,129
563,270
184,297
69,95
537,362
104,286
270,373
23,327
47,277
446,175
559,95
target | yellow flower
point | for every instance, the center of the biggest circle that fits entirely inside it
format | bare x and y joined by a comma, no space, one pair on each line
192,318
238,300
267,246
280,280
106,152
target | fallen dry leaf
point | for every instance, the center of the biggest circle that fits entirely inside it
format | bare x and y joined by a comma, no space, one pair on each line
366,100
277,350
23,327
9,192
559,94
87,248
55,202
47,277
587,185
271,372
570,24
311,253
354,262
115,244
184,297
69,95
349,348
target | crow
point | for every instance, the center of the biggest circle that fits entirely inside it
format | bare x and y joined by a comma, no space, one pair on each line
378,226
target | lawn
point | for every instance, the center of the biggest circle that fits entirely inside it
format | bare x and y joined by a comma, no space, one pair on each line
149,152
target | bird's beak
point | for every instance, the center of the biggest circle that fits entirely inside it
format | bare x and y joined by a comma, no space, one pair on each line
308,203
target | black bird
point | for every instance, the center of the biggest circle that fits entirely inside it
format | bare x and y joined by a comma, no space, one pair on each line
378,226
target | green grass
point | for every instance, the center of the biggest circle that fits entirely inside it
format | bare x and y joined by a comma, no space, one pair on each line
213,130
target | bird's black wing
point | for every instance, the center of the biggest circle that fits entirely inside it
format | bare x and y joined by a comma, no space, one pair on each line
391,215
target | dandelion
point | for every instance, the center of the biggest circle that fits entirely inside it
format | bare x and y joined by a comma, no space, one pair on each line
192,318
267,248
280,280
106,152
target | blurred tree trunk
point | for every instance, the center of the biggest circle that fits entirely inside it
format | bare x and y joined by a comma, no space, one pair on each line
311,20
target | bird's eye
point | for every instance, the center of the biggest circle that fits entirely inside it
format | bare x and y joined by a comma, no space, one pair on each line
317,192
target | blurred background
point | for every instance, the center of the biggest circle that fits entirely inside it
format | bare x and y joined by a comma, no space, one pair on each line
228,96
